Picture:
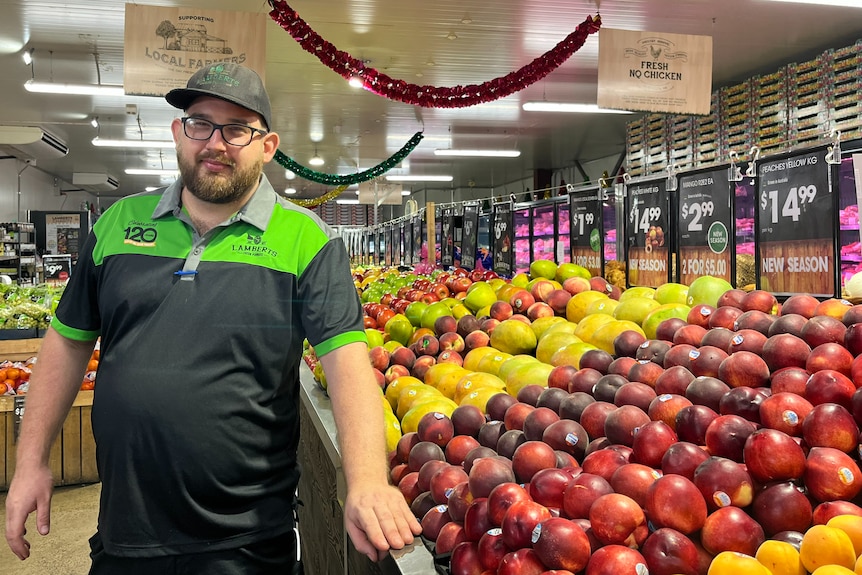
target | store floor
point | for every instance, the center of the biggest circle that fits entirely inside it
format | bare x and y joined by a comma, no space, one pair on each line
64,551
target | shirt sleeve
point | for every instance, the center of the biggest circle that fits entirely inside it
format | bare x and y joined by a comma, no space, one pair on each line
77,316
329,305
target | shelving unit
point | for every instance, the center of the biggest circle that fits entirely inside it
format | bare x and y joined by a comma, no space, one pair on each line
18,255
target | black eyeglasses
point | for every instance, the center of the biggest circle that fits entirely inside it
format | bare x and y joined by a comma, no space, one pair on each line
233,134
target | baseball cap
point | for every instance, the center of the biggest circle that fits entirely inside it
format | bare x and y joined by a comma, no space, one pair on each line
228,81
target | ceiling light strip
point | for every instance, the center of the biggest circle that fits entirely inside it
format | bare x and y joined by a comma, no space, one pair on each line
74,89
478,153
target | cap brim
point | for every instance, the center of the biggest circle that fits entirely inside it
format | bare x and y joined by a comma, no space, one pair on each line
182,98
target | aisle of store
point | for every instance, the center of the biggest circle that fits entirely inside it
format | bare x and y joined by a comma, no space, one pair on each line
64,550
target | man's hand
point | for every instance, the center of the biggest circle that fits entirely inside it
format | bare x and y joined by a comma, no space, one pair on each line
378,519
28,492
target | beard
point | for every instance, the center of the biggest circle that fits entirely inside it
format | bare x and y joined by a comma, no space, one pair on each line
222,188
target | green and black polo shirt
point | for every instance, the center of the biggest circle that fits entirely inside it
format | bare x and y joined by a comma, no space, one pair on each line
195,411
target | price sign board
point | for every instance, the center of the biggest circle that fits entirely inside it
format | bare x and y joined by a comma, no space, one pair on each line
706,237
586,239
470,236
417,240
647,233
57,268
17,415
502,234
447,237
796,224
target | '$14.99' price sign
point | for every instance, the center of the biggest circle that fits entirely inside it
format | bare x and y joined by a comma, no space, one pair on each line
795,201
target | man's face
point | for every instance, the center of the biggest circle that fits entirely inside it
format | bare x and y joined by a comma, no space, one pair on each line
213,170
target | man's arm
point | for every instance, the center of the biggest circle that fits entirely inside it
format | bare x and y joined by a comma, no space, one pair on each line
376,515
55,381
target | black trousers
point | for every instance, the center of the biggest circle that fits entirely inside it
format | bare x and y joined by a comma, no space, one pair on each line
272,557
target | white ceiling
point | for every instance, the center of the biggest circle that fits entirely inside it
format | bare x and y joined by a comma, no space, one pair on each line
403,38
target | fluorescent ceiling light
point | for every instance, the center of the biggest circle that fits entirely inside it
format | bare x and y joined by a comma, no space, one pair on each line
151,188
28,57
346,201
79,89
419,178
289,174
151,172
405,192
356,82
479,153
563,107
290,191
94,122
316,161
106,143
845,3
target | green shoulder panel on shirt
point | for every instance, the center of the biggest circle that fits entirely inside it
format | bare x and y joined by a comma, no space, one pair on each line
72,333
330,344
290,242
128,228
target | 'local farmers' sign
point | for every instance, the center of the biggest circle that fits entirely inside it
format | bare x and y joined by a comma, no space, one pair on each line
706,239
796,223
646,229
585,230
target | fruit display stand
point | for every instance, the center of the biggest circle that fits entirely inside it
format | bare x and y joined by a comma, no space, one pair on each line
73,455
326,549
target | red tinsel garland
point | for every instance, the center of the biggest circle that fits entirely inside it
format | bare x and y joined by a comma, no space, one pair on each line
429,96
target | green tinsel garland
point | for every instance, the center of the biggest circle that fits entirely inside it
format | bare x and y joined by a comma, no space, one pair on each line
335,180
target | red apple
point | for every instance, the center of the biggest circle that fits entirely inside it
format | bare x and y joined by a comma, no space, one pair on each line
492,549
724,316
584,380
521,562
597,359
603,462
825,511
486,473
531,457
744,402
699,315
678,356
581,492
755,320
674,379
706,390
620,424
693,421
706,359
674,501
682,458
435,427
731,529
785,411
558,299
428,469
759,299
853,336
731,297
502,497
789,379
516,415
509,442
607,386
723,482
476,520
616,560
782,507
668,328
653,350
551,398
529,394
568,436
665,408
408,486
460,499
633,480
831,474
547,487
520,520
465,559
444,480
726,435
433,521
743,368
831,425
618,520
669,552
450,536
802,304
537,421
627,343
497,405
651,442
467,419
423,452
636,393
830,386
458,448
593,417
562,544
785,350
467,324
646,372
822,329
561,376
747,340
572,407
772,455
489,433
691,334
521,300
791,323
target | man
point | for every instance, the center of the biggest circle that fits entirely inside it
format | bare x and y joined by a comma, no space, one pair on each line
202,294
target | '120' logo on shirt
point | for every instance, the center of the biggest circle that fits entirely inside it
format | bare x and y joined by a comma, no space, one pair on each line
140,236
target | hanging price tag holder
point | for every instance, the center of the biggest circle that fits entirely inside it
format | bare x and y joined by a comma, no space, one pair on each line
586,239
417,239
447,237
17,415
502,238
796,224
647,233
381,245
406,240
706,236
470,236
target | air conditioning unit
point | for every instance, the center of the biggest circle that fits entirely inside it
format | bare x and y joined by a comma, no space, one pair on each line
29,142
95,182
